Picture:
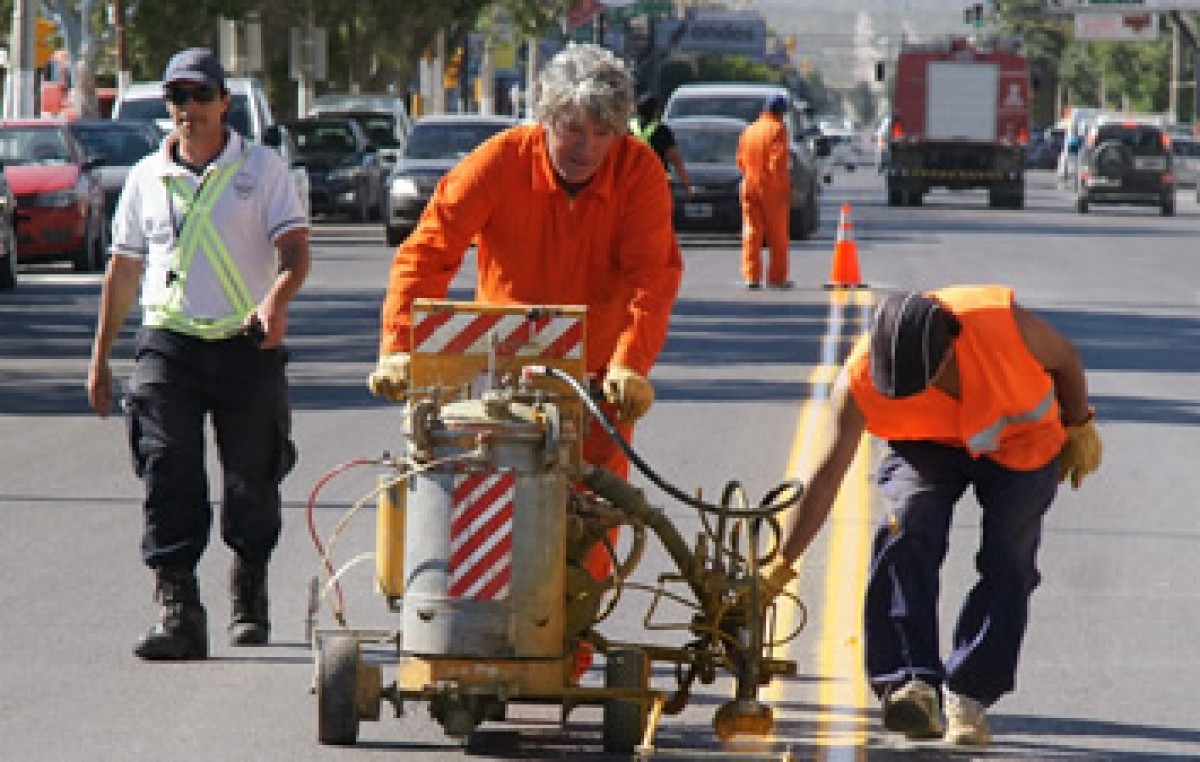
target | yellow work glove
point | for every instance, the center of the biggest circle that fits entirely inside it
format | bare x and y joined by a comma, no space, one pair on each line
390,377
630,391
1080,455
776,576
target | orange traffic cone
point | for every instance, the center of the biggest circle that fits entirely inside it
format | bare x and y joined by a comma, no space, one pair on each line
844,271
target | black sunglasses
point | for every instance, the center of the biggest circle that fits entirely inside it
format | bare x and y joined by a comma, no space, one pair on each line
179,96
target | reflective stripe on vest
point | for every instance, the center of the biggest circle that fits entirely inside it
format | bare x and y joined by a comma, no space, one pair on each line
643,133
198,232
988,440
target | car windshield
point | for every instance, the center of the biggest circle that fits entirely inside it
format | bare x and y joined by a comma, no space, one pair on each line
155,108
447,141
1189,148
699,146
380,129
1140,139
118,147
323,137
745,108
33,145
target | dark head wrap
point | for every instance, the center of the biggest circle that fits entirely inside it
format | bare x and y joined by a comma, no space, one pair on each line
910,336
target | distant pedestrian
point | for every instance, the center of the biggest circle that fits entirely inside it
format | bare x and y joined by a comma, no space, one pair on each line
213,234
763,157
647,125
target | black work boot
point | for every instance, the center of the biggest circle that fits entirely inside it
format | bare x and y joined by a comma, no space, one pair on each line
250,624
182,629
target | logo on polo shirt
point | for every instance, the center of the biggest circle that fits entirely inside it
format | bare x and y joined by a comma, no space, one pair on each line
243,185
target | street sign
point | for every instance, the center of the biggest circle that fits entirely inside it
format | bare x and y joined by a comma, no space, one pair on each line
1118,6
1117,27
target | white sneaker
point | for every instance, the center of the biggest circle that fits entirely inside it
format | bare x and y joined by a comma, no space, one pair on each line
967,721
913,709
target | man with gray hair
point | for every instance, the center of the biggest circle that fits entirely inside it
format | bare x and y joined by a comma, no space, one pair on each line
569,210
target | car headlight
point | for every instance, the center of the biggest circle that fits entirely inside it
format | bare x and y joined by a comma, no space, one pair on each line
59,199
405,186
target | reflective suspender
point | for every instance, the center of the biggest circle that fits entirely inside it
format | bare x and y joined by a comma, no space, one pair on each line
643,132
199,233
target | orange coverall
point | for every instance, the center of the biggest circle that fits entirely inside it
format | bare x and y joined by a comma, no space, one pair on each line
762,156
610,248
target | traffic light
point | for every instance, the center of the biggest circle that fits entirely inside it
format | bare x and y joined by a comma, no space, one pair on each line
43,30
453,69
973,14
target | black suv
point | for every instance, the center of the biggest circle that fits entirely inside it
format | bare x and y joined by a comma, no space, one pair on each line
1126,163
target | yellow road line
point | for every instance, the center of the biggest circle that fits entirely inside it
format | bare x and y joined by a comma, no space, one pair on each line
843,693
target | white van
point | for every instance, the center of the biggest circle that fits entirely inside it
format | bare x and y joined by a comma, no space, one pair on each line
249,110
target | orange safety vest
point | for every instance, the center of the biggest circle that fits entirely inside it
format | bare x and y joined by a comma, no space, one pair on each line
1007,412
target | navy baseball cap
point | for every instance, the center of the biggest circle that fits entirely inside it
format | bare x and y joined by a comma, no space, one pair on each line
910,335
777,103
197,65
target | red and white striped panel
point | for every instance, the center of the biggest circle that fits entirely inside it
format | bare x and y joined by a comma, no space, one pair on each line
481,535
462,333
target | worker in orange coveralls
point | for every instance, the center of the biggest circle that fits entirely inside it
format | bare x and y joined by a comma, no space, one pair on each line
569,210
762,156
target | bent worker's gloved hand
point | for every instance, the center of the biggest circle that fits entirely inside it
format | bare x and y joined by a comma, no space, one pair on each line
775,577
390,377
630,391
1080,455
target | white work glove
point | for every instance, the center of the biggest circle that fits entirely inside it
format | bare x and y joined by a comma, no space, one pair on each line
630,391
390,377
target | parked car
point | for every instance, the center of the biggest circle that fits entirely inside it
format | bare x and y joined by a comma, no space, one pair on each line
384,117
745,101
249,109
279,137
120,144
8,236
344,171
434,146
1186,153
60,203
709,149
1124,161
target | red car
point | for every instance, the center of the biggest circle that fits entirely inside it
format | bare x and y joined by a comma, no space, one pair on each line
60,203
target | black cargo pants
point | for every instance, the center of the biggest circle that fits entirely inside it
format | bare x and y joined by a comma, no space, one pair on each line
178,382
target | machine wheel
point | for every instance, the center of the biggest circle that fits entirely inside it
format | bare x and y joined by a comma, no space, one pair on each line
337,691
625,721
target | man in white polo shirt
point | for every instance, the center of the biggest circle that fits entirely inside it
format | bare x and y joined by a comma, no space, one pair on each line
213,234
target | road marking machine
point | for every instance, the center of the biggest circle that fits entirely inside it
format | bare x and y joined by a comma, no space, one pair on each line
482,528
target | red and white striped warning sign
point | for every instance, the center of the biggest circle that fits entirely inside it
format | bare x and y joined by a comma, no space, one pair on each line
481,535
461,333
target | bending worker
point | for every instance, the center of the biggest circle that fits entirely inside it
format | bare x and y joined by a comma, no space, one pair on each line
212,232
763,157
969,390
647,125
569,210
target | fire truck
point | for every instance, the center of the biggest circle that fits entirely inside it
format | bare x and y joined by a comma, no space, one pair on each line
960,120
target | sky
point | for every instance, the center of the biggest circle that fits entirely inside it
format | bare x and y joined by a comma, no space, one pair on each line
844,38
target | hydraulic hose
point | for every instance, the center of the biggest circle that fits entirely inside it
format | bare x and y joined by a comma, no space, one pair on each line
767,507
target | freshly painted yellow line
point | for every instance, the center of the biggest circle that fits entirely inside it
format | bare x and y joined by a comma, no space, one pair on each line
843,695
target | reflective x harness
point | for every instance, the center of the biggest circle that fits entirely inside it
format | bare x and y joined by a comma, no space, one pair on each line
198,233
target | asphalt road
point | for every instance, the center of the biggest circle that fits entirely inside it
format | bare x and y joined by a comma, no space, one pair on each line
1109,670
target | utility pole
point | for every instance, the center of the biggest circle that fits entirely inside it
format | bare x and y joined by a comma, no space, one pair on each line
123,75
18,91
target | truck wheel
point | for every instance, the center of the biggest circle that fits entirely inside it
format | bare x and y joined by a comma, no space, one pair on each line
915,198
337,691
896,198
625,721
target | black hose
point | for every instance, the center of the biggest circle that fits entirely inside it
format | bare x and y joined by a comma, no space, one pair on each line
766,507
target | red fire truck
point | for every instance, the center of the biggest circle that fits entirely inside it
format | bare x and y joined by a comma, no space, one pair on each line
960,120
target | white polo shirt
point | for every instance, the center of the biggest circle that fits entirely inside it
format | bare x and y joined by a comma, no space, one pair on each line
259,204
